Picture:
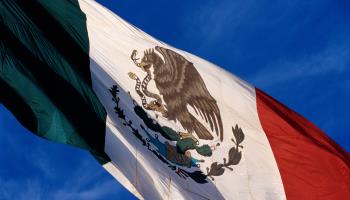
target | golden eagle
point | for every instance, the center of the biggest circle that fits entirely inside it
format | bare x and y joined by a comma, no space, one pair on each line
180,84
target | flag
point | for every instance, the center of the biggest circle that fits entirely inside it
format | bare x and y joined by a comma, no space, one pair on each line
165,123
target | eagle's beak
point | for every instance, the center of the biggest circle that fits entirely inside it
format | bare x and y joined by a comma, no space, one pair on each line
143,65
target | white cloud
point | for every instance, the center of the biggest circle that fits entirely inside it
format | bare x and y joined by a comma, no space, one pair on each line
98,191
210,20
86,183
334,59
27,189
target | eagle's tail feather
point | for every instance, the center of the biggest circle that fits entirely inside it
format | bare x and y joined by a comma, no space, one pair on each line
200,130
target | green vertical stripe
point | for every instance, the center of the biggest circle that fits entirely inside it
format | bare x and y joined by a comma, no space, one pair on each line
49,121
45,67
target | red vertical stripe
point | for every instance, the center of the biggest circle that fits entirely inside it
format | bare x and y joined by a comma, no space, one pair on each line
312,166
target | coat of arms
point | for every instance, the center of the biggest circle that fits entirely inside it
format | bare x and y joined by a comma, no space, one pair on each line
179,85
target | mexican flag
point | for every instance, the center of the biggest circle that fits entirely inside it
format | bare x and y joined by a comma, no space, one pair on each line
165,123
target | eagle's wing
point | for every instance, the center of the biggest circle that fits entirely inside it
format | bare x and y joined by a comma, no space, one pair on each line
187,82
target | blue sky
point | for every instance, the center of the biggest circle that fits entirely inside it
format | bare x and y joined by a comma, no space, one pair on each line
296,51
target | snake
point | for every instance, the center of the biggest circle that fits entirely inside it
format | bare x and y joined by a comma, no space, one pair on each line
155,105
137,89
144,85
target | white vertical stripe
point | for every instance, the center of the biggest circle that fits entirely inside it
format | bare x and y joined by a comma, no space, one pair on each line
117,174
256,176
